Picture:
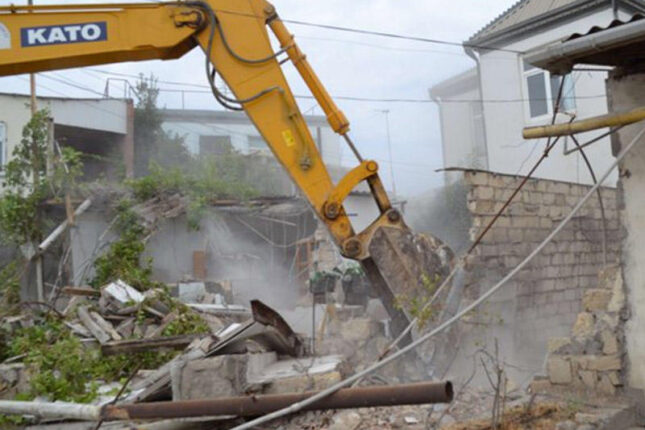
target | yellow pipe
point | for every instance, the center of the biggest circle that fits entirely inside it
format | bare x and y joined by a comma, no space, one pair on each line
609,120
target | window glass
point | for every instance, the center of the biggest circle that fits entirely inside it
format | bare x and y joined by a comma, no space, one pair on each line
536,86
568,100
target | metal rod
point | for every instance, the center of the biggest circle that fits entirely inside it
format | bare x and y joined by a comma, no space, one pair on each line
353,148
594,123
248,406
592,141
600,202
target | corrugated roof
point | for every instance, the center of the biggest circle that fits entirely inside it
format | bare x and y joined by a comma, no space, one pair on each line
621,43
521,11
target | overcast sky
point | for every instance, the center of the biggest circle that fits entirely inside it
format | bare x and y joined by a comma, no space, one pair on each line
348,65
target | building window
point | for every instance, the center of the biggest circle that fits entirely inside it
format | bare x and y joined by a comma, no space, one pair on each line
215,145
542,91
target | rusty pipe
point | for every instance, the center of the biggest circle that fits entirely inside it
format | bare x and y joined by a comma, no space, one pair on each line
248,406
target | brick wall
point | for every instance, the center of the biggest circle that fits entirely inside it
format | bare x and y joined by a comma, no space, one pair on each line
543,300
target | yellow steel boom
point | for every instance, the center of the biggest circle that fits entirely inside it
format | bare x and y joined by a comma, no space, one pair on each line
233,34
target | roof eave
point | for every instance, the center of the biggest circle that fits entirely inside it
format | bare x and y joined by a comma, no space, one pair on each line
516,31
562,56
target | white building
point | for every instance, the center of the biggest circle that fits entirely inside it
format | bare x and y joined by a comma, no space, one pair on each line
100,127
483,110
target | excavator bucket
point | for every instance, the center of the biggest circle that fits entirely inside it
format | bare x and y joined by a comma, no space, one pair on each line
403,266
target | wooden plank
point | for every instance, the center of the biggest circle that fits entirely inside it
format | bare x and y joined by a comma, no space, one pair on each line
106,326
199,265
92,326
139,345
81,291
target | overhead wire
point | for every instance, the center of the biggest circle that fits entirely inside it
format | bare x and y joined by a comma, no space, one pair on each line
295,407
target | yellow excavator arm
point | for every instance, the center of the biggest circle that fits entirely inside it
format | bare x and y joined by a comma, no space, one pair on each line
233,35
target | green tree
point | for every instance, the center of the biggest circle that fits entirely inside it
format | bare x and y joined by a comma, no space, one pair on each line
152,142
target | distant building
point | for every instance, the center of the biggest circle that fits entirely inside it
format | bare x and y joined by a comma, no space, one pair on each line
102,128
484,110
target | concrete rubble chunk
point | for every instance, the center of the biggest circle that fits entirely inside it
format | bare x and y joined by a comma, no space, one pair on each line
238,374
345,420
359,329
559,370
584,325
604,363
588,377
555,343
221,376
596,299
609,342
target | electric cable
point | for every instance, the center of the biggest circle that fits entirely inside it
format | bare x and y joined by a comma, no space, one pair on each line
484,297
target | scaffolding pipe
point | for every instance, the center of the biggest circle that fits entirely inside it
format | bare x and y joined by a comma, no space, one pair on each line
589,124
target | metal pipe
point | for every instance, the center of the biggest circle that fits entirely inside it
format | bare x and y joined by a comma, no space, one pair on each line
602,121
248,406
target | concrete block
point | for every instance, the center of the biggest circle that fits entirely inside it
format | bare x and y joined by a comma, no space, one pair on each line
485,193
360,329
609,342
302,374
555,343
596,299
605,385
584,325
225,375
603,363
589,378
559,370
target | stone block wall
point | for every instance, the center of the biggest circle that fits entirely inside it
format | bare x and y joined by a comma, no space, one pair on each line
543,300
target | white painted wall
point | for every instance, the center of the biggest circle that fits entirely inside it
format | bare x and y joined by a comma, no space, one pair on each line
628,92
105,115
458,130
502,80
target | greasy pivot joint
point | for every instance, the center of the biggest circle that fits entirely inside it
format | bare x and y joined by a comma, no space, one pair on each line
332,210
393,215
352,247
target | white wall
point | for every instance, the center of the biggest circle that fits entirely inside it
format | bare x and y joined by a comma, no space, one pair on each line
105,115
458,132
502,80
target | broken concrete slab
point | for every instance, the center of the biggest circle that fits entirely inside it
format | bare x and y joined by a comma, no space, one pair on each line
221,376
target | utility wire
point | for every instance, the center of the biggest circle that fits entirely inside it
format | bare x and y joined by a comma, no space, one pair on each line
399,36
483,298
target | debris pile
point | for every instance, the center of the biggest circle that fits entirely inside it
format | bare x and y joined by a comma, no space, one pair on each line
166,349
592,358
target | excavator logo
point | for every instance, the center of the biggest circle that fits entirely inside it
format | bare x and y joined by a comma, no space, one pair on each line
62,34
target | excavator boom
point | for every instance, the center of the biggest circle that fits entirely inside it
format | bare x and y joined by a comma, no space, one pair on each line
234,37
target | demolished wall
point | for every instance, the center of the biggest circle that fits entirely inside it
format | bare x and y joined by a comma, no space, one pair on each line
543,300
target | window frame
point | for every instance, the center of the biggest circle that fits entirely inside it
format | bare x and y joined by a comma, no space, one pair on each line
549,98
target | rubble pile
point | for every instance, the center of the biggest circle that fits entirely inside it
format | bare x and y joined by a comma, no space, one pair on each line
592,358
190,351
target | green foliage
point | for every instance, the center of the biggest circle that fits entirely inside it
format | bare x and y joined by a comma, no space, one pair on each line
27,184
61,368
123,258
418,306
152,143
9,290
